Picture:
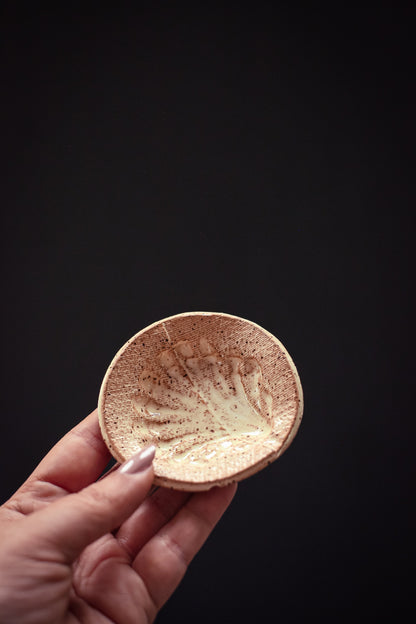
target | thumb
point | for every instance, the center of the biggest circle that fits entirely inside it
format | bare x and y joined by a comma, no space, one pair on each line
67,526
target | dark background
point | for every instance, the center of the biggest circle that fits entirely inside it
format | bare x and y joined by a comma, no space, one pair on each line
252,161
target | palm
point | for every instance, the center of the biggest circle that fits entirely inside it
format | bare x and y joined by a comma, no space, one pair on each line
123,577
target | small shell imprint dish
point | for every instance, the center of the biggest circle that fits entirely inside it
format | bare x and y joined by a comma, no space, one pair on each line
197,402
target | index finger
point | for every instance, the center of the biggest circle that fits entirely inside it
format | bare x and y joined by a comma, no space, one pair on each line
163,561
77,459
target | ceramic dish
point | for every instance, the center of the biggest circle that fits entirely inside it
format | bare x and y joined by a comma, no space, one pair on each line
218,395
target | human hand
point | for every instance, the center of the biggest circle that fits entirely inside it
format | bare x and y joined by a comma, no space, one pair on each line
75,550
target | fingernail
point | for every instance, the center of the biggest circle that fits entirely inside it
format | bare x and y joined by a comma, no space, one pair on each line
140,461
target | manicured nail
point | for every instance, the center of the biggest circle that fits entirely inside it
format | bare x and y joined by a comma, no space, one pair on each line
140,461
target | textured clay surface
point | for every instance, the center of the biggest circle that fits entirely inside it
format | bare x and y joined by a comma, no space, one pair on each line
218,396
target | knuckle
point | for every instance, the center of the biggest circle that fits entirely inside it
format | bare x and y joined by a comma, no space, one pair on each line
97,495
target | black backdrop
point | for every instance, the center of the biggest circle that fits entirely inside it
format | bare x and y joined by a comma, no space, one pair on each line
256,162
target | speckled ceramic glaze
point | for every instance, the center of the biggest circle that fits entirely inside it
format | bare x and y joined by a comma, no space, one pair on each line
218,396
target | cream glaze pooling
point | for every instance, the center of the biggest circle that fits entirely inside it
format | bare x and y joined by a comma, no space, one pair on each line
203,402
